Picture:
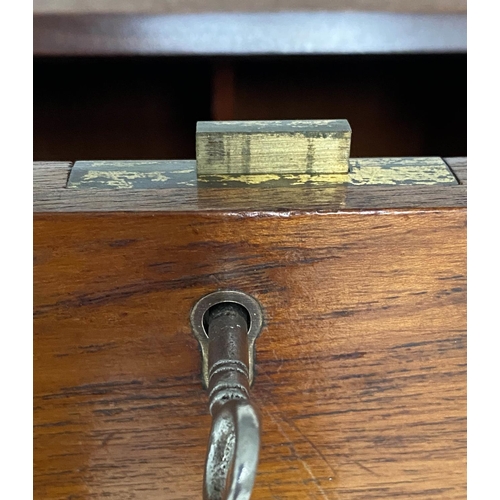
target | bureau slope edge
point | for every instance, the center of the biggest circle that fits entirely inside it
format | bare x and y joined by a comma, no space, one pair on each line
361,366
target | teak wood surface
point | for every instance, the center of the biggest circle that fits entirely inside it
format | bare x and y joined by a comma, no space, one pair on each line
361,366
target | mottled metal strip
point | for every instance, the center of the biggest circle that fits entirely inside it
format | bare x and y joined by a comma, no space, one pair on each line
133,174
164,174
396,171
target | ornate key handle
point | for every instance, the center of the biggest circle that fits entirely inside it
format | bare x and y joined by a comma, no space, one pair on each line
226,324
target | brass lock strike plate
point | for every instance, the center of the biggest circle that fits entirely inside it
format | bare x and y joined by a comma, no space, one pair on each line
289,153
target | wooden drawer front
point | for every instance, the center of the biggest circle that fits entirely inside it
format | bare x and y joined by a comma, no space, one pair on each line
361,366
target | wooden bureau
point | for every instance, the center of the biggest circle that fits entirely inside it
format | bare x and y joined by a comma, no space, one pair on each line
360,368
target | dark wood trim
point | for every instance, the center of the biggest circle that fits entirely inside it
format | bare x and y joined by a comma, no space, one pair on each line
198,6
459,168
248,33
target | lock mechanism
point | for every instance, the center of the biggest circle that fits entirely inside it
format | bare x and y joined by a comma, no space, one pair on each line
203,313
269,154
226,324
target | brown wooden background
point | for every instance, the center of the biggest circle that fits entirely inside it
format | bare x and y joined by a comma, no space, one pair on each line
361,368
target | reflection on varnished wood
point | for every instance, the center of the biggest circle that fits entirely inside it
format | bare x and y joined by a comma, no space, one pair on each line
361,368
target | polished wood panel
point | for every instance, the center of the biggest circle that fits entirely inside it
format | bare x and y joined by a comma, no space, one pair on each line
361,367
248,33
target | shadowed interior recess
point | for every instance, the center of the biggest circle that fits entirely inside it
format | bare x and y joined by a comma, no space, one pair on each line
147,108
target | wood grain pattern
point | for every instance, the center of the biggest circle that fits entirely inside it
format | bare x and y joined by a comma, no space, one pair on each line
361,368
50,176
50,196
459,168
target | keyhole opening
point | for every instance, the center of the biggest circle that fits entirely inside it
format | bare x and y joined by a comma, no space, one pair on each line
225,309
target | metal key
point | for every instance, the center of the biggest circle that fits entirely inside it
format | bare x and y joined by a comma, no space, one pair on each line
226,337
